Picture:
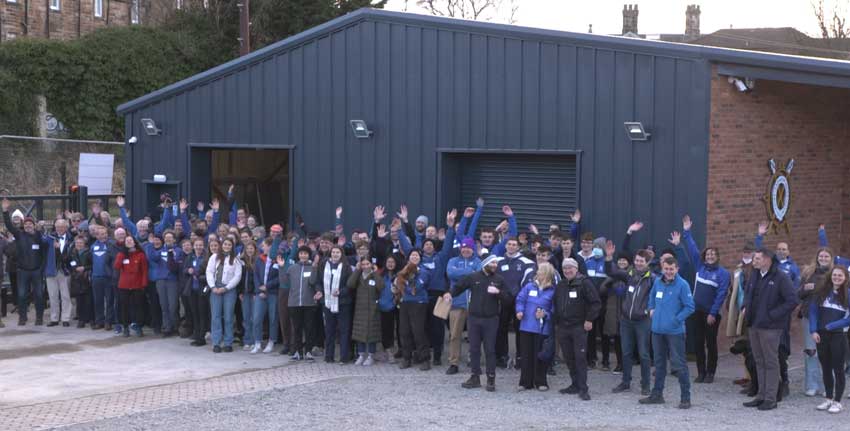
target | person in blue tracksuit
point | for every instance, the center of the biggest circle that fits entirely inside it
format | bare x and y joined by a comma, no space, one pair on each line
829,317
157,256
101,275
411,285
513,269
534,312
436,264
267,282
670,304
389,310
710,287
783,254
169,290
458,268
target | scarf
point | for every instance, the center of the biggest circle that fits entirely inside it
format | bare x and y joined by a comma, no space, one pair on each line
331,283
219,273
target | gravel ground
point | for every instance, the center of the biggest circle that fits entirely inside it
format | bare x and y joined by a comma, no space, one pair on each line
417,400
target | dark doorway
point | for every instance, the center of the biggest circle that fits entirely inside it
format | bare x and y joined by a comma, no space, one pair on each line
261,178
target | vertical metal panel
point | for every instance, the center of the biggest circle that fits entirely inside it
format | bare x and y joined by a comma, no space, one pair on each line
623,149
478,91
603,149
462,102
383,141
548,117
663,144
643,166
567,97
430,107
530,95
513,95
415,181
497,122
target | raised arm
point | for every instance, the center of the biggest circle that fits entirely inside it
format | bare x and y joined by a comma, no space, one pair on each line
129,225
165,222
448,243
822,240
690,244
231,217
760,233
479,208
216,217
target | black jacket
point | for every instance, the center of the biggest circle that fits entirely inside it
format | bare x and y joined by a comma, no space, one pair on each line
637,289
576,301
769,299
31,248
482,303
317,280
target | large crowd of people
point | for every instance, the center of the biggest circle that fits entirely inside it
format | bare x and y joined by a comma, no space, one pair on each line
567,295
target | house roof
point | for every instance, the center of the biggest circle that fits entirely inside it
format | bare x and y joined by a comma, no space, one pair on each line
757,64
784,40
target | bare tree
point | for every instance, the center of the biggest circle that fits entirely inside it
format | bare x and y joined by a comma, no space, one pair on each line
478,10
833,23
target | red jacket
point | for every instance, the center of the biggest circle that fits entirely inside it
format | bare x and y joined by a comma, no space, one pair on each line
133,270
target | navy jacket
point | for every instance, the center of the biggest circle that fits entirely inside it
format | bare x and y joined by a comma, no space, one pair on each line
270,280
769,299
830,315
711,282
513,270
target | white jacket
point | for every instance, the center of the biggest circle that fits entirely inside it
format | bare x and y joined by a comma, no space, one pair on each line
231,276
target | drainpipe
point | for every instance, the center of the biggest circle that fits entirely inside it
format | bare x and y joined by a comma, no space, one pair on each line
80,18
26,16
47,18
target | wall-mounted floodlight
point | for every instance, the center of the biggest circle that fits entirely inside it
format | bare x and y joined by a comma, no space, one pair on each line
636,132
744,85
132,140
150,127
360,129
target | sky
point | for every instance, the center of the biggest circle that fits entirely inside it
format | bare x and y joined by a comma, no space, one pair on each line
657,16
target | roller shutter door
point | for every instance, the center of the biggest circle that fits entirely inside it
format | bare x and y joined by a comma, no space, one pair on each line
541,189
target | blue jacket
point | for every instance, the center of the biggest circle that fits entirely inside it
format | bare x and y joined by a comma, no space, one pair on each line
595,269
711,282
436,263
158,262
458,268
272,282
101,260
386,302
421,282
672,303
529,299
54,264
788,266
513,270
839,260
464,231
829,315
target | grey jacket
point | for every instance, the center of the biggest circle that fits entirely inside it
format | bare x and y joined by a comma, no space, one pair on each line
296,279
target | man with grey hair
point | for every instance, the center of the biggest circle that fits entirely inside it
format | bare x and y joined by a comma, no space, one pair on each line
56,273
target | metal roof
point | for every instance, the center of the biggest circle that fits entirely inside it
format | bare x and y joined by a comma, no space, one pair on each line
806,70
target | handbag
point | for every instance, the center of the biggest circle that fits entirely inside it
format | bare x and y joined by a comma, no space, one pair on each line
547,350
80,284
442,308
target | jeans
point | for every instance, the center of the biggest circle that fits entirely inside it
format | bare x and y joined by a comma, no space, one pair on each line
168,294
814,375
261,305
58,290
248,320
672,346
102,293
483,329
222,307
371,347
30,281
636,332
338,321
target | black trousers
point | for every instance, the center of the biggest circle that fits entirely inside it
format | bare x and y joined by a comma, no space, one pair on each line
131,304
705,340
200,306
85,307
187,319
507,320
832,352
482,329
595,333
532,369
153,313
414,340
573,341
436,329
390,328
302,321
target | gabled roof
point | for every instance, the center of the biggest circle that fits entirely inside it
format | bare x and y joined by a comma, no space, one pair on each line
753,61
783,40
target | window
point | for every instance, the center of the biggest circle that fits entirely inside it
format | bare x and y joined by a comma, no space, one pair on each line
11,36
54,4
134,12
11,1
179,4
98,8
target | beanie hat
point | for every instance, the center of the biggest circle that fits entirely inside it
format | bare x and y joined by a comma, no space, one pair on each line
490,259
18,214
570,262
467,242
599,242
422,219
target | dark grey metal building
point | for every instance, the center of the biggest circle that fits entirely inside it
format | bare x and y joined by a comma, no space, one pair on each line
533,118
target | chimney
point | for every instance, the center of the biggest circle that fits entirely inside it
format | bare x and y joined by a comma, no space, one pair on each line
630,16
692,22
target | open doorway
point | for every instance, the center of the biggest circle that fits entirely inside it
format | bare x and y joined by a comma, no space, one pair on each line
261,178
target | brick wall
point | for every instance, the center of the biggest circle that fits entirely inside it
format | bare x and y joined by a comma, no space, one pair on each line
779,121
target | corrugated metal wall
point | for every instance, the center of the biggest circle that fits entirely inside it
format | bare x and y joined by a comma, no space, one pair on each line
426,91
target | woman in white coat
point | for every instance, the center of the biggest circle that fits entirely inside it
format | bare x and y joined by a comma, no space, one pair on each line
224,271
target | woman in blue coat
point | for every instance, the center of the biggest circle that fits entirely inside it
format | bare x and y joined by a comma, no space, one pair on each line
534,310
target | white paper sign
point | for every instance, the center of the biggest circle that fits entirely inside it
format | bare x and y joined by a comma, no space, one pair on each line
96,173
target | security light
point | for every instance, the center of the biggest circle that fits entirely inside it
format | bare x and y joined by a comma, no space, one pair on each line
150,127
635,131
744,85
360,129
132,140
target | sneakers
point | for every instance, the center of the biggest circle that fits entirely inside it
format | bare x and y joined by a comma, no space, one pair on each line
360,359
269,347
255,349
452,370
618,369
473,382
652,399
491,384
835,408
126,332
216,349
811,392
308,356
246,347
369,361
824,405
118,329
296,356
137,329
622,387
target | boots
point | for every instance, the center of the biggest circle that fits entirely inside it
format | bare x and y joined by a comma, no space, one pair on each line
473,382
491,383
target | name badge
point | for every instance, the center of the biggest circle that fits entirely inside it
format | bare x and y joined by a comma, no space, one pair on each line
374,260
307,274
73,263
573,294
126,261
96,248
195,262
395,250
631,289
504,267
275,266
36,247
591,273
659,295
532,293
164,254
371,282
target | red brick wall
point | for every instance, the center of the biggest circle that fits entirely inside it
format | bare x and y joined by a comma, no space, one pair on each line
779,121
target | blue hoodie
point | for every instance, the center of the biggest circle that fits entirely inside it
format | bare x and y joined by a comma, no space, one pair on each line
421,282
436,263
101,260
529,299
457,269
711,283
672,303
158,262
829,315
